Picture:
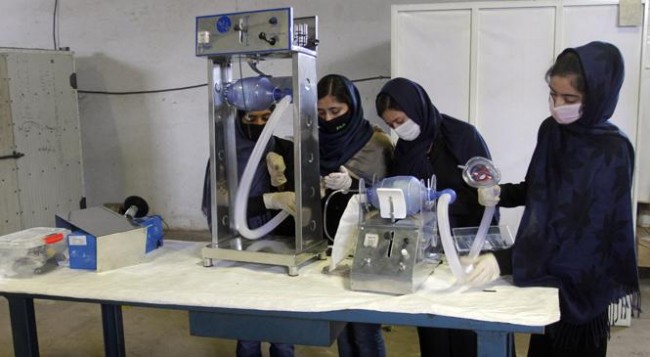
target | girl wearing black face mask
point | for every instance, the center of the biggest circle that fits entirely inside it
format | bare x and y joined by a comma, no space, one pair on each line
350,149
248,128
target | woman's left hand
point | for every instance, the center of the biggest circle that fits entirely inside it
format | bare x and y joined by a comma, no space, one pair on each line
338,180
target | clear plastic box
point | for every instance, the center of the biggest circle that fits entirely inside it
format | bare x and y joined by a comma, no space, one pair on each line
32,251
497,238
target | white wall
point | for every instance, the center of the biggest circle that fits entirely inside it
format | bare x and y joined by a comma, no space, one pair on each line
156,145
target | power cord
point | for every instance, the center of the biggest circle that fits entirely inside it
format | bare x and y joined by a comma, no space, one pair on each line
142,91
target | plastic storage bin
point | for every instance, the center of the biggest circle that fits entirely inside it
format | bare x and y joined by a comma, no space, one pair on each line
32,251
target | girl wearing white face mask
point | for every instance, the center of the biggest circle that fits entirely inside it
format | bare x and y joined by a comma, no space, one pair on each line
566,96
433,143
578,182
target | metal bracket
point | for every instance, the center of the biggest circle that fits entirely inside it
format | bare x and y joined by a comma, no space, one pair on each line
14,155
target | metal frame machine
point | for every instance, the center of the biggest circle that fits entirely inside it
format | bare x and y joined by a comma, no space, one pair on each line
270,37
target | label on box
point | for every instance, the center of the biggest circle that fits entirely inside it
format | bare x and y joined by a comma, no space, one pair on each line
371,240
77,240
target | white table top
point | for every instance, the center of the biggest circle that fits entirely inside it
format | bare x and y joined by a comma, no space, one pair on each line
174,275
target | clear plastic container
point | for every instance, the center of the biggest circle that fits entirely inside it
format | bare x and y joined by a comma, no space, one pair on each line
32,251
497,238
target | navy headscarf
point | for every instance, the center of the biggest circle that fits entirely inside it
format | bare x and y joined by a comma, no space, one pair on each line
577,231
245,143
412,157
339,147
261,180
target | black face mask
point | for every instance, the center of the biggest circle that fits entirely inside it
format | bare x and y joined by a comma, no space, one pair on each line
252,131
337,124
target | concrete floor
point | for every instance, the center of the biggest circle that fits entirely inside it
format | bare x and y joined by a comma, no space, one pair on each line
74,329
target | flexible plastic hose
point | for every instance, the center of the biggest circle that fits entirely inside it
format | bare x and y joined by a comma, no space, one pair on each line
241,199
477,245
445,236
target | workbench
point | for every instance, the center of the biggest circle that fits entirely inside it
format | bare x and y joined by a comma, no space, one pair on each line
262,302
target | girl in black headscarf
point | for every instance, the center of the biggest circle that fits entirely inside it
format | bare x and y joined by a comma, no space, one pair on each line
434,143
350,149
577,231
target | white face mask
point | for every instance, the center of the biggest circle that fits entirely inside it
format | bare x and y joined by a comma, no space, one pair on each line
565,114
408,130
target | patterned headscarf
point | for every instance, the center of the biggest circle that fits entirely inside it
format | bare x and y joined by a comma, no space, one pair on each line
577,231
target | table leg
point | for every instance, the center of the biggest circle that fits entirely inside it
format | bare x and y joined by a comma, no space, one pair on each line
113,330
23,325
495,343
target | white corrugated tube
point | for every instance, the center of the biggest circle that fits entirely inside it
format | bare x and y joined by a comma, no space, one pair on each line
447,240
241,199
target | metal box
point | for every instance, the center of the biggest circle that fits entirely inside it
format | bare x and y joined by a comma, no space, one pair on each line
40,140
389,258
102,240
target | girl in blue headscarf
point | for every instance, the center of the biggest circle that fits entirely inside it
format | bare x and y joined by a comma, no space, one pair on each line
267,193
350,149
434,143
577,231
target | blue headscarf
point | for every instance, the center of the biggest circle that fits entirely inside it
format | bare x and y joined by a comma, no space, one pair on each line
577,231
261,180
412,157
339,147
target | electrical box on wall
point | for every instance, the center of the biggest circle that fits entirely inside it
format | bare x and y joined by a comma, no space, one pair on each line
40,140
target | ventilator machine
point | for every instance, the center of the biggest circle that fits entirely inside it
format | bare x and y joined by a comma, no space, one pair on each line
404,231
256,46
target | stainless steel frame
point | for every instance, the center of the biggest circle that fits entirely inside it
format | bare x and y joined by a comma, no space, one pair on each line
227,243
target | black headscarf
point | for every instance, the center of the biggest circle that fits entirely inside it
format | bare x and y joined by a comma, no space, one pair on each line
577,232
411,157
336,148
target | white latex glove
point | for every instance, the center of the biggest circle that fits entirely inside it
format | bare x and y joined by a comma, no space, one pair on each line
486,270
281,200
489,196
338,180
276,166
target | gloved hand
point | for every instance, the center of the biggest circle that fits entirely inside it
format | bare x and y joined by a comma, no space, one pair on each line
281,200
276,166
338,180
486,270
489,196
